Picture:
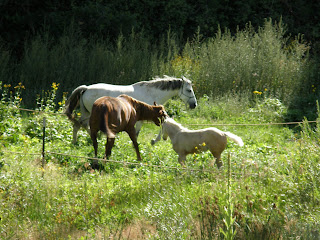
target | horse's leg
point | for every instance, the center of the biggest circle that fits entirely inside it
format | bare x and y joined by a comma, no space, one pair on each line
138,127
182,159
95,143
76,128
95,163
84,120
158,138
217,156
109,146
133,138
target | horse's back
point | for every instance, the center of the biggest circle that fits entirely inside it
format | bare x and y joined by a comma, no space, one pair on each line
211,136
99,90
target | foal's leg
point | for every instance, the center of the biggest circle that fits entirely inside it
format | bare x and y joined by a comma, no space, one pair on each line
133,138
109,145
217,156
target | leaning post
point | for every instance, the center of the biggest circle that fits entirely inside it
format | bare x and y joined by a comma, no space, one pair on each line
43,140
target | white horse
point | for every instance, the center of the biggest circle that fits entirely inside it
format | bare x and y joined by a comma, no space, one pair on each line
185,141
158,90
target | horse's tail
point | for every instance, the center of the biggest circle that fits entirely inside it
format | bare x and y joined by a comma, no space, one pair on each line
235,138
105,127
73,101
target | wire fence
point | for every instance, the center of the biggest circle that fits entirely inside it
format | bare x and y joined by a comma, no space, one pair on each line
43,153
194,124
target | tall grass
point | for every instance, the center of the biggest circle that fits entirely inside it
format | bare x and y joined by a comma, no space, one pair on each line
249,60
264,60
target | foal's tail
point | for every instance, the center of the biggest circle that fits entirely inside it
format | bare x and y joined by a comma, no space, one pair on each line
235,138
73,101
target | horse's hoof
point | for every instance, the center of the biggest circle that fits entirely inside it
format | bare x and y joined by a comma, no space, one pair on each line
153,142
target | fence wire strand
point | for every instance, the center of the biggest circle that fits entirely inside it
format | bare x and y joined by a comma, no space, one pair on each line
193,124
182,168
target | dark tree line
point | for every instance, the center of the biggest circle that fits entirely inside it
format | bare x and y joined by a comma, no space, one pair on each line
22,19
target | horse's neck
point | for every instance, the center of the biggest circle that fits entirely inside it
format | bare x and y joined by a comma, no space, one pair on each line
144,112
166,95
152,94
172,130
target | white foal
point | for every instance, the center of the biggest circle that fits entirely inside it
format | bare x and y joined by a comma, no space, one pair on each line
185,141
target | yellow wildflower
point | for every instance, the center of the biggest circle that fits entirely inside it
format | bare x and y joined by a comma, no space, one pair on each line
19,86
55,86
257,92
204,144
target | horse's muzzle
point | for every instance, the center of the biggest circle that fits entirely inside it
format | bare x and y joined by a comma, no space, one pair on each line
192,105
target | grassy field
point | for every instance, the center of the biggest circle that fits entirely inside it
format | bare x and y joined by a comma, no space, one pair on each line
272,192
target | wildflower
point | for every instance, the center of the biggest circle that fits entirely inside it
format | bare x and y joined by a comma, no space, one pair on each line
55,86
265,89
19,86
313,88
7,85
196,148
257,92
204,144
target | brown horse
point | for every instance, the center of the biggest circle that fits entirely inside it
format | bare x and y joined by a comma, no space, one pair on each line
113,115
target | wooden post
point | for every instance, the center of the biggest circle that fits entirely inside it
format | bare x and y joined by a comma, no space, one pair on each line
43,140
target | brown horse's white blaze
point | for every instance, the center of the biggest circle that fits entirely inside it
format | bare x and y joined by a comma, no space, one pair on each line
185,141
113,115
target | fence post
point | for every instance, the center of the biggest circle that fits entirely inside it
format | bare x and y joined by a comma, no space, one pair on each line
43,140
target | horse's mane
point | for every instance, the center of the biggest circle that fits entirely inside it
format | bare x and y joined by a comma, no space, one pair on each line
165,83
140,106
171,121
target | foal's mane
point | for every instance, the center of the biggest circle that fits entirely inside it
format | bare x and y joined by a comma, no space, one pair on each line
175,124
165,83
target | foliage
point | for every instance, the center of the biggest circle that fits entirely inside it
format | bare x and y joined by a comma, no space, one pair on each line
107,19
262,60
10,117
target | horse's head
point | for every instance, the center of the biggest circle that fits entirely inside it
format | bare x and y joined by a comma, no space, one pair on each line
168,126
187,94
160,114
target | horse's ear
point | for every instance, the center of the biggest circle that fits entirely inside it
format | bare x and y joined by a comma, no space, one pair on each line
154,103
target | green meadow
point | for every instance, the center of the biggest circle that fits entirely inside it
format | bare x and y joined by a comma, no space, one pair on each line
250,84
